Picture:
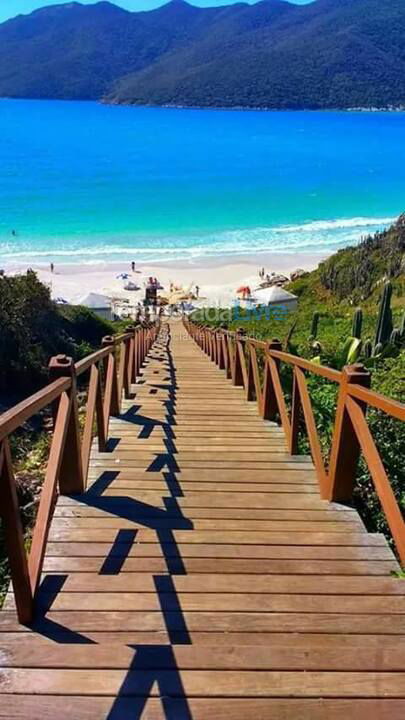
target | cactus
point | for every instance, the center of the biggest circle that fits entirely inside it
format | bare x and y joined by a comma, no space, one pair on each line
314,325
368,349
357,323
288,344
384,323
395,338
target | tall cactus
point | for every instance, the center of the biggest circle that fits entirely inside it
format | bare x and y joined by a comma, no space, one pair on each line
384,322
395,338
368,349
314,325
357,323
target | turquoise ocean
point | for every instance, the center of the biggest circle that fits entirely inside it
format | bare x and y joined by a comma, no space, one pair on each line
88,183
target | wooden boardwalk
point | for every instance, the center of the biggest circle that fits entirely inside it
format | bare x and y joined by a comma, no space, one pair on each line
202,577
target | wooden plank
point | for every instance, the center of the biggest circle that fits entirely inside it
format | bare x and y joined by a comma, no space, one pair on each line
300,474
249,501
162,485
203,658
66,511
247,537
204,683
275,552
224,499
223,602
225,565
273,584
47,707
103,524
20,638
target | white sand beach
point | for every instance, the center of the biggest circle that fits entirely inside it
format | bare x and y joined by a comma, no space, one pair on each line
217,278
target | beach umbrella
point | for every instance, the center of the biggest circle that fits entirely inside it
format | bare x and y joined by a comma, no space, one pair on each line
131,286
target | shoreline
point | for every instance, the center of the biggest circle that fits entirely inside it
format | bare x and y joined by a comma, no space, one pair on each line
230,108
217,277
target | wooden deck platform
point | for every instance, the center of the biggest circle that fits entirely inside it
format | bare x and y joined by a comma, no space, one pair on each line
201,576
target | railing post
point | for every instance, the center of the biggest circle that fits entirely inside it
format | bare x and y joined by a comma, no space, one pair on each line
205,339
345,450
250,385
220,345
295,416
71,478
229,357
137,352
111,399
240,339
270,407
14,537
224,352
211,336
131,358
208,342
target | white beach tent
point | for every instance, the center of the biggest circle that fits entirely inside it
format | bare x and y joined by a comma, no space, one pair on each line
100,304
275,295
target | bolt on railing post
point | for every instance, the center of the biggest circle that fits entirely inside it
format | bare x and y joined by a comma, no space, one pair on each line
270,407
345,450
71,477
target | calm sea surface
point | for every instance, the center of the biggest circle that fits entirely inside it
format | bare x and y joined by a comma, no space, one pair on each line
86,182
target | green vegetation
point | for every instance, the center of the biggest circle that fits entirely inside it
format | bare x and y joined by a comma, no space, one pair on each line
32,329
273,54
328,328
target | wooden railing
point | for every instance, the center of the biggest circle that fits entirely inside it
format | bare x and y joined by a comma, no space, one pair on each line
237,354
111,370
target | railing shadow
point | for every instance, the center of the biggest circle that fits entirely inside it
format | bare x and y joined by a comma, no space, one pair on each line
153,666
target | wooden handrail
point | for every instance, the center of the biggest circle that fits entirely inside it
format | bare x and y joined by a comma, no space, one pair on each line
378,401
12,419
87,362
351,434
69,457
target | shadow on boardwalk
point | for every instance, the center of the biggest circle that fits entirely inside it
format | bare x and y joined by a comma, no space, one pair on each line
153,666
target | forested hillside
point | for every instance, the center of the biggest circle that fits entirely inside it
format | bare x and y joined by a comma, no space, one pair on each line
274,54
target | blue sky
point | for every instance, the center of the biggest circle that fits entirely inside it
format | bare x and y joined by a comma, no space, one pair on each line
10,8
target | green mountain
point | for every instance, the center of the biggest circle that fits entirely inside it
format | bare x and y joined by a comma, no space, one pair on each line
330,53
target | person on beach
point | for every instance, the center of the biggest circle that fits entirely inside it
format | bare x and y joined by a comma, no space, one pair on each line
52,266
133,266
197,290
